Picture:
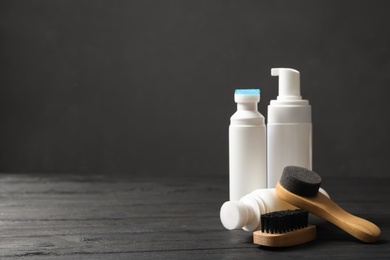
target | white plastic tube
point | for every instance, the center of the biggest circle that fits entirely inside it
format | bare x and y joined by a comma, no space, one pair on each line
247,146
246,213
289,127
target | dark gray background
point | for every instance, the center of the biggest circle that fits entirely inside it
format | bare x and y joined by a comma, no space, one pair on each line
146,87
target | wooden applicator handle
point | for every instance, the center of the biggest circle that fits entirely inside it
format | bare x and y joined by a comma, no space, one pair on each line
325,208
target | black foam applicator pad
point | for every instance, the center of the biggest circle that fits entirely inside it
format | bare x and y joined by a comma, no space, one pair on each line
300,181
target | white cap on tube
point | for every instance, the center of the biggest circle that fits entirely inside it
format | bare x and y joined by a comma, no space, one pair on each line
245,213
234,215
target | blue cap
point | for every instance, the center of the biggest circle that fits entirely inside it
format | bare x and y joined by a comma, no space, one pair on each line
247,92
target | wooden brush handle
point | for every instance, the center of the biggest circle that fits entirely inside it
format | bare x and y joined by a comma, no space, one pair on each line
325,208
291,238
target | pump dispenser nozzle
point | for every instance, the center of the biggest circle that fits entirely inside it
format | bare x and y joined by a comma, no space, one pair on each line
289,83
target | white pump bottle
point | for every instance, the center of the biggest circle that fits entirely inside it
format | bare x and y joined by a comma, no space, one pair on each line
289,128
247,145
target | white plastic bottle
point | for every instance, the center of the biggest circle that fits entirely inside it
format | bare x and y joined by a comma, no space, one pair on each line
289,128
247,145
246,213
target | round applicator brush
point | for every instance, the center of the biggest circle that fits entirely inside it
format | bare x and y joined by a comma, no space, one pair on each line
299,187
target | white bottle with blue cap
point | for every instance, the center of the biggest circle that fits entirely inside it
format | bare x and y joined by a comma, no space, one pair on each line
289,127
247,146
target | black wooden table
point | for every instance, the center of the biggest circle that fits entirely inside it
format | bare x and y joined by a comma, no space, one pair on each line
100,217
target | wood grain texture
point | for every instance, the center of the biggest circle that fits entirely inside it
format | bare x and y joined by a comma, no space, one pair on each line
101,217
292,238
327,209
